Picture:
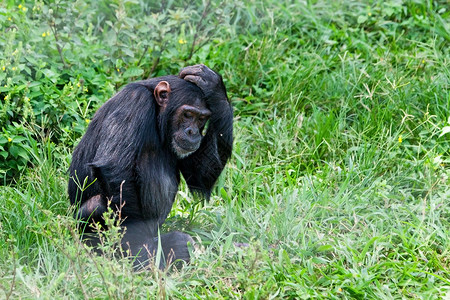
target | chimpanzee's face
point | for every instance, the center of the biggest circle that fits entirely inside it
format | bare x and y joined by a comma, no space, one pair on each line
187,127
187,115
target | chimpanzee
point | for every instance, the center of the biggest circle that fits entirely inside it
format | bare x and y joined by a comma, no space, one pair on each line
137,144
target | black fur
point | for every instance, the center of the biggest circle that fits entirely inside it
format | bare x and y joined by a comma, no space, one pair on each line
127,150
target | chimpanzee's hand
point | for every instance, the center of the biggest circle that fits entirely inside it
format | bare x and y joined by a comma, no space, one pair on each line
207,80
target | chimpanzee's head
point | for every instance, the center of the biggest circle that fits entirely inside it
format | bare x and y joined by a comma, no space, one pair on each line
183,114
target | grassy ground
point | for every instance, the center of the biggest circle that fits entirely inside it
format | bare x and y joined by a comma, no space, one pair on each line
338,185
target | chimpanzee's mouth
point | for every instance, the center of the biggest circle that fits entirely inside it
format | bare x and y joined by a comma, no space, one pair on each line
183,149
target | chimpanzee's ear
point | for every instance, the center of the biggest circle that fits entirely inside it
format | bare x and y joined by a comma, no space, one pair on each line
161,93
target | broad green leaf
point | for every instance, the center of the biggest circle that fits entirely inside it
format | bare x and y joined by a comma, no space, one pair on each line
362,19
133,72
14,150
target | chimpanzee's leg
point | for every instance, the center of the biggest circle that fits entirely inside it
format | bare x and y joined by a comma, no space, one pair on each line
139,242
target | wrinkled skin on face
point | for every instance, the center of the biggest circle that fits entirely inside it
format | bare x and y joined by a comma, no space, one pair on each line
188,124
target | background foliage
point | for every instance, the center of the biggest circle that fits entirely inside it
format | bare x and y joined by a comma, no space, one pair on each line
338,186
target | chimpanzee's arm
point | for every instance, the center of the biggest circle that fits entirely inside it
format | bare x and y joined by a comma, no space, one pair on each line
126,125
202,168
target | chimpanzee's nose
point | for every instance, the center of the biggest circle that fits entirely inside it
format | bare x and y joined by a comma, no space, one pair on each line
191,131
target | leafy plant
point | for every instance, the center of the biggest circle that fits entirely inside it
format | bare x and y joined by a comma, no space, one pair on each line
61,60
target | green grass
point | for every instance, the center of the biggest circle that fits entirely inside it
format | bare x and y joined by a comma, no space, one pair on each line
339,180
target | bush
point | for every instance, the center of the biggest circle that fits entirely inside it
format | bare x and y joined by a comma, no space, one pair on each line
61,60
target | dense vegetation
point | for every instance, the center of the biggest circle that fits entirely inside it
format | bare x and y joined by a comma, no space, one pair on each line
339,182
